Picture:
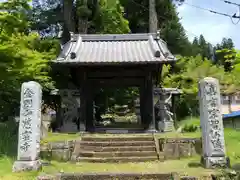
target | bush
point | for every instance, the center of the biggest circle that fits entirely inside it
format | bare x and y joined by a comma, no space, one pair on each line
9,138
190,128
190,124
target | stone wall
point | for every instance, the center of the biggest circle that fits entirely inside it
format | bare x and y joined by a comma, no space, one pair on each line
59,151
122,176
172,148
176,148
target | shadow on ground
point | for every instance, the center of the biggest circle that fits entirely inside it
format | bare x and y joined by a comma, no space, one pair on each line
194,164
236,167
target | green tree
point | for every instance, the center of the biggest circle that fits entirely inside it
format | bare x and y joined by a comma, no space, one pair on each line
195,47
22,57
189,70
225,53
109,18
227,58
136,12
203,46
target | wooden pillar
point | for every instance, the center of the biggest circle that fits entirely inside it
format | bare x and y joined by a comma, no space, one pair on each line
149,95
83,100
89,108
142,106
58,110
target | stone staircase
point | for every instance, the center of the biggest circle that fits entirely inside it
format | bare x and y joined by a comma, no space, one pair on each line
115,149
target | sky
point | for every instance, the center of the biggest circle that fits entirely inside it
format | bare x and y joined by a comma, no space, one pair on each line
213,27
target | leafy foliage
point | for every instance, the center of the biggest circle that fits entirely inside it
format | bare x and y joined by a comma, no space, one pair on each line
188,71
136,12
23,58
201,47
110,18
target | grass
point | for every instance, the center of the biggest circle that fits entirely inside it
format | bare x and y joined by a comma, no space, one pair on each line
8,150
53,137
181,167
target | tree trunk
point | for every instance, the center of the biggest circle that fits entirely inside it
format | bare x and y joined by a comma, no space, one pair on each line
68,23
68,15
83,25
83,21
153,21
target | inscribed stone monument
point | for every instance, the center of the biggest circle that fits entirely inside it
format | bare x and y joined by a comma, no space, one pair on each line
29,128
211,123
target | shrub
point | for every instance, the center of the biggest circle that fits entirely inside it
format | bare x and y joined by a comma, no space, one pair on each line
190,124
8,140
190,128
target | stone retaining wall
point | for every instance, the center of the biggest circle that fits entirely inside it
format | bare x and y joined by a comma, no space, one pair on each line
175,148
122,176
172,148
60,151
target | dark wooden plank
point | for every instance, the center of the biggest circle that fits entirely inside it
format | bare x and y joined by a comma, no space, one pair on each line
89,107
125,73
117,68
116,82
148,93
142,105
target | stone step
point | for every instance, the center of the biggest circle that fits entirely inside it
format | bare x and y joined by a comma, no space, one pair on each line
117,154
117,159
118,148
117,143
110,139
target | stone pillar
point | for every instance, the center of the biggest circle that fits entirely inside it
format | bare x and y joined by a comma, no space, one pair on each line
45,124
137,110
29,128
173,107
211,123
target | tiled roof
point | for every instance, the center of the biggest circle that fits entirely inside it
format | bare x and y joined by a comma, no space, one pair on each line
115,48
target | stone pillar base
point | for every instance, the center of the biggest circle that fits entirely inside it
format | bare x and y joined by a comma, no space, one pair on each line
151,131
151,128
19,166
82,127
166,126
215,162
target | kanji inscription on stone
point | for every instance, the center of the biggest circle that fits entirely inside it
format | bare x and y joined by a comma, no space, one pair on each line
30,120
211,118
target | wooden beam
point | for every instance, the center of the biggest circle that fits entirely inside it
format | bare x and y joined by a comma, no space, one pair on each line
119,68
117,73
119,82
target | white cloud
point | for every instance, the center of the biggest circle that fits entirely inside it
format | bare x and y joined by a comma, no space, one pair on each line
213,27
